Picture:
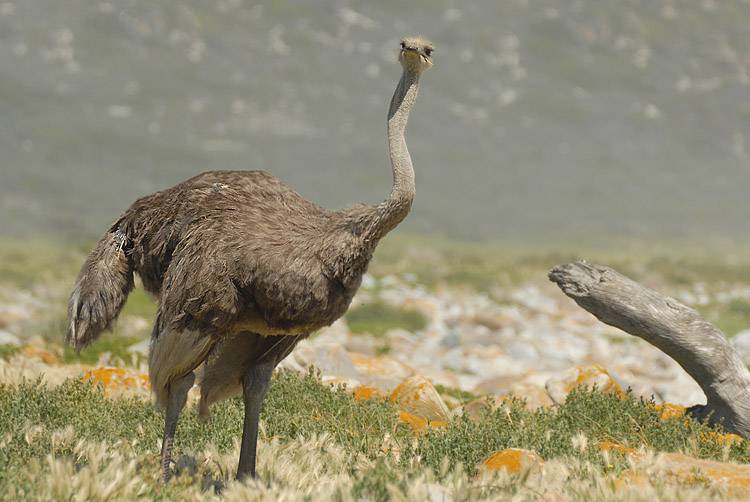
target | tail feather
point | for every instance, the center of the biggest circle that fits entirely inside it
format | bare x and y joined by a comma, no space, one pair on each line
100,292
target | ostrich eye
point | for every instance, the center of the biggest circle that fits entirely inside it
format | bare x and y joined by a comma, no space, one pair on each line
428,51
403,45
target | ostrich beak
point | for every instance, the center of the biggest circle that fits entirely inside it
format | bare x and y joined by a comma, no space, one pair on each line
415,56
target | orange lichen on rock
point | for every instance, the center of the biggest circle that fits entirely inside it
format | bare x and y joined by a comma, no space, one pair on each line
39,353
605,445
721,438
631,479
596,375
380,368
735,478
112,378
512,460
438,424
419,424
417,396
365,393
591,376
670,411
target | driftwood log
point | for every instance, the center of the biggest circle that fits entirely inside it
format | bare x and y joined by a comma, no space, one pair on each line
675,329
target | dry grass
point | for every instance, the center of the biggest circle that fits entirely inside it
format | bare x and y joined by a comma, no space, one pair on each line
75,442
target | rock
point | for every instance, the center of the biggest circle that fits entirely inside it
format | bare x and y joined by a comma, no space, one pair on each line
438,493
291,364
12,314
741,342
512,461
722,438
40,353
451,340
734,478
113,378
535,397
400,338
523,351
631,480
381,372
605,445
476,408
562,347
420,424
336,333
365,393
416,395
140,347
532,298
337,381
668,411
133,326
329,358
595,375
9,339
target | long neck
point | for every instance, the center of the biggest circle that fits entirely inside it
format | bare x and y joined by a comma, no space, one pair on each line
394,209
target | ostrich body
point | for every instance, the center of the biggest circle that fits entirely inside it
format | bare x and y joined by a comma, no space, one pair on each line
243,267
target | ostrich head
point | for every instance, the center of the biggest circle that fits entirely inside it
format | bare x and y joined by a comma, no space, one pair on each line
416,54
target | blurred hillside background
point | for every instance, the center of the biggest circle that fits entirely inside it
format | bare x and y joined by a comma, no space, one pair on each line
540,120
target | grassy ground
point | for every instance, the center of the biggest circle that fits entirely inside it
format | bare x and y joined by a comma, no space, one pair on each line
73,442
360,449
376,318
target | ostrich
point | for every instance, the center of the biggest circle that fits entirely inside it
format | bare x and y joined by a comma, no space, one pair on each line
243,268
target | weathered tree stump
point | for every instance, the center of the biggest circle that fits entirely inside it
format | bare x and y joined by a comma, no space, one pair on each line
675,329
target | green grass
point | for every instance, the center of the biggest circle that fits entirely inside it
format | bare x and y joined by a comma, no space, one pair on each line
6,351
117,346
32,416
376,318
139,303
730,317
462,395
550,432
25,263
435,261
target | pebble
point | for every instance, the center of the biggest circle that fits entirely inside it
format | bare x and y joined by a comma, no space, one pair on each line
741,342
140,347
514,340
9,339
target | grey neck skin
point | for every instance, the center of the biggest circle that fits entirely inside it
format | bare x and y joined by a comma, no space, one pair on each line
394,209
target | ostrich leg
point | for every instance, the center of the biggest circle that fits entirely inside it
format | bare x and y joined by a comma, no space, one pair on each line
254,386
178,391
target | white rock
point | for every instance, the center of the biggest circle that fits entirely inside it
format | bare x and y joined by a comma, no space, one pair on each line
741,342
140,347
522,351
330,359
438,493
9,339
